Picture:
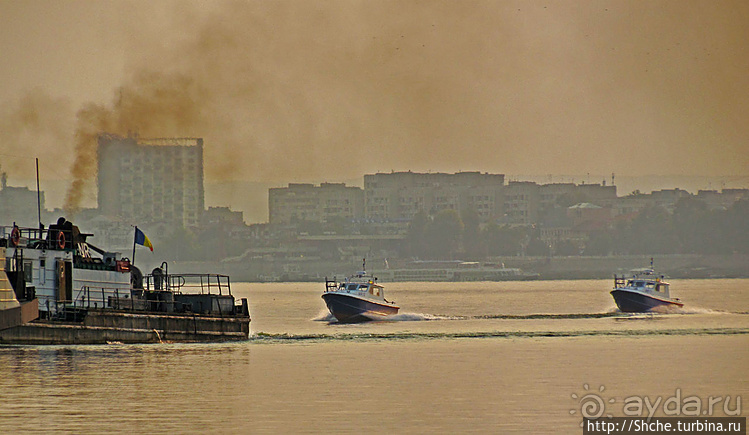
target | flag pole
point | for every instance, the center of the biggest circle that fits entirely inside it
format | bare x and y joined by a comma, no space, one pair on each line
135,234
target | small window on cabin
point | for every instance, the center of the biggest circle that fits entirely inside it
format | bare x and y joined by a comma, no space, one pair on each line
352,286
376,291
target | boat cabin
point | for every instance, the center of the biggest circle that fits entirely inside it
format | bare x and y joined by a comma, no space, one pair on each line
643,280
56,264
368,287
649,285
359,284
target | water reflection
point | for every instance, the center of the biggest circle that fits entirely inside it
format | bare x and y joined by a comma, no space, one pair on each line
491,363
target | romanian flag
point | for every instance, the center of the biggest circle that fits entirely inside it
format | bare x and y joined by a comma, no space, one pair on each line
142,239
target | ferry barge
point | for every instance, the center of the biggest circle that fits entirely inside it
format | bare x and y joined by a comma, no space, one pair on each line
57,288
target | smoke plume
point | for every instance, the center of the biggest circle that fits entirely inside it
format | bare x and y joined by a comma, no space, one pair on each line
153,104
36,125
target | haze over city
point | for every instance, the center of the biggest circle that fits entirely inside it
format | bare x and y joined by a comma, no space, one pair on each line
375,216
315,91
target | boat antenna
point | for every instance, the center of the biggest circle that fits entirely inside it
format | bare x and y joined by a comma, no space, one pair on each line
39,200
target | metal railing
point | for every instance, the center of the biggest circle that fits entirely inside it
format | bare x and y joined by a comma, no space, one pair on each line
36,237
118,299
197,283
101,297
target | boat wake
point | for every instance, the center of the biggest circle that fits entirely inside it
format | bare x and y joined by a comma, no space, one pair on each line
613,312
418,317
673,309
262,337
687,310
324,316
549,316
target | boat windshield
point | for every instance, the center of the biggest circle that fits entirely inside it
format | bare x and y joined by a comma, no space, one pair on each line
641,284
353,287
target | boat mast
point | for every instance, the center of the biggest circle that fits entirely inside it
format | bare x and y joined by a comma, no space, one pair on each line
39,200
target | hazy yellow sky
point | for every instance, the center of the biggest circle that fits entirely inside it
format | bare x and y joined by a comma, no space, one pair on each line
312,90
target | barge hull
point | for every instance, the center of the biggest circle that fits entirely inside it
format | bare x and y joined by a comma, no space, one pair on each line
106,326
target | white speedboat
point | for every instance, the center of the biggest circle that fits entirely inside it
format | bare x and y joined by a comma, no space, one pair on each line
358,298
642,291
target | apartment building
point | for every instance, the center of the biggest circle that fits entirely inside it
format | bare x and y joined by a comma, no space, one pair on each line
307,202
398,196
151,180
522,202
724,199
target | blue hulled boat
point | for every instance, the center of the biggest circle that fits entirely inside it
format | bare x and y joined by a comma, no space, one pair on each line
358,298
643,291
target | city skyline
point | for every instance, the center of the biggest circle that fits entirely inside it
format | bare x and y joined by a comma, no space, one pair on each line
253,199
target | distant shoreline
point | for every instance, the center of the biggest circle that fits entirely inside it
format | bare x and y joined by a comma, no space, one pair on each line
548,268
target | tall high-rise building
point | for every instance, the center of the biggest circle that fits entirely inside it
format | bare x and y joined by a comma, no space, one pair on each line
151,180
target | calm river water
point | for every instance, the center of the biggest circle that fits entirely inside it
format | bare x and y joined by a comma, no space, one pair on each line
461,357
